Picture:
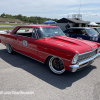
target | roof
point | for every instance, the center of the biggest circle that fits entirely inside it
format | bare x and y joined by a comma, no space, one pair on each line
94,27
49,22
37,26
92,23
71,20
79,28
76,28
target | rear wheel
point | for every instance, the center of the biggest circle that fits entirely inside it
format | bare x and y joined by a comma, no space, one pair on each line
56,65
9,48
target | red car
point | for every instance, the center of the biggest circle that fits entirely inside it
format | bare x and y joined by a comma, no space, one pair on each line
48,44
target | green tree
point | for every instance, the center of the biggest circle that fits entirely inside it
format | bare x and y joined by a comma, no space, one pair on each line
3,15
32,19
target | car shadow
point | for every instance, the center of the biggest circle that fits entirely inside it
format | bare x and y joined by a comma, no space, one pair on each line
42,71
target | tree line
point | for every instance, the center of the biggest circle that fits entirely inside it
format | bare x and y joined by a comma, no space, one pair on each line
32,19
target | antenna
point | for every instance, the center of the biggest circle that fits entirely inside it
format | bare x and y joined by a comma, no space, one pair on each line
77,16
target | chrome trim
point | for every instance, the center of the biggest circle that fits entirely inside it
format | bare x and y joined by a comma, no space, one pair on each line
24,46
53,55
91,54
35,49
73,68
28,56
19,45
51,67
36,59
66,59
42,52
26,36
27,47
35,33
84,65
91,49
87,52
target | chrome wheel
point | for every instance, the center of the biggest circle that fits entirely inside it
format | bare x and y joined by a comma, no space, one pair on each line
56,65
9,48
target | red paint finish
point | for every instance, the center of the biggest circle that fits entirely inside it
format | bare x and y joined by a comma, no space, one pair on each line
40,48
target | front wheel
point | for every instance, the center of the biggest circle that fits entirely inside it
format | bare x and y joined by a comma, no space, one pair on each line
9,48
56,65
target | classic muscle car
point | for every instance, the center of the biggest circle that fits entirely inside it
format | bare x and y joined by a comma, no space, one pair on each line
48,44
83,33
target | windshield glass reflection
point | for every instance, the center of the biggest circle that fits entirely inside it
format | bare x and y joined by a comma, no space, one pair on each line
44,32
92,32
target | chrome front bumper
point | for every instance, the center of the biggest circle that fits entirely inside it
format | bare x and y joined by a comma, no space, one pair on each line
74,68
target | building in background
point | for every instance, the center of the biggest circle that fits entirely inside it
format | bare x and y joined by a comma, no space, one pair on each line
75,21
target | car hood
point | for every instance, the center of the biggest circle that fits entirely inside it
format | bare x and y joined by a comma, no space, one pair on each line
71,44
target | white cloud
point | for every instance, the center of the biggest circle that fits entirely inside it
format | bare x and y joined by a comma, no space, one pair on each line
91,14
50,8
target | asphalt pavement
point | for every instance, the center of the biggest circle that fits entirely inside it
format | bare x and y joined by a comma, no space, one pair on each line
22,78
6,26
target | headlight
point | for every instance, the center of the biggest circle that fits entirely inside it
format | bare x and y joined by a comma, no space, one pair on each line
74,61
98,50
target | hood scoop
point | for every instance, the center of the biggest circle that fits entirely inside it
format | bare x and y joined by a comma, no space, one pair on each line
66,39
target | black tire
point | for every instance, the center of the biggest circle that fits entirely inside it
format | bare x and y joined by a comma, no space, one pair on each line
9,48
56,65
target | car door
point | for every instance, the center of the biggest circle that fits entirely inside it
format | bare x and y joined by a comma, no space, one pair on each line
13,41
72,33
27,42
75,33
79,33
69,32
83,34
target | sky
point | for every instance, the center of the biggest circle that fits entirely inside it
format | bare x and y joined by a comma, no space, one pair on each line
90,9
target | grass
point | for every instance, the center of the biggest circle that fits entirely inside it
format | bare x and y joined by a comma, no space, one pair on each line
9,20
4,28
13,25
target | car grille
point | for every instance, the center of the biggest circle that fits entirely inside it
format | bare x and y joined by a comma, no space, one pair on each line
86,55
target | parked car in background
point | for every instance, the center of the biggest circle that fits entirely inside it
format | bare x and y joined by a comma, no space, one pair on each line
48,44
96,28
83,33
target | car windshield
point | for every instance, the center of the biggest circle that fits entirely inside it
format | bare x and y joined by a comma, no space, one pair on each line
92,32
44,32
99,29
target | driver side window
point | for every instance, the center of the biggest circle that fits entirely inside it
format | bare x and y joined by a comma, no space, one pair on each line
84,32
26,32
71,31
